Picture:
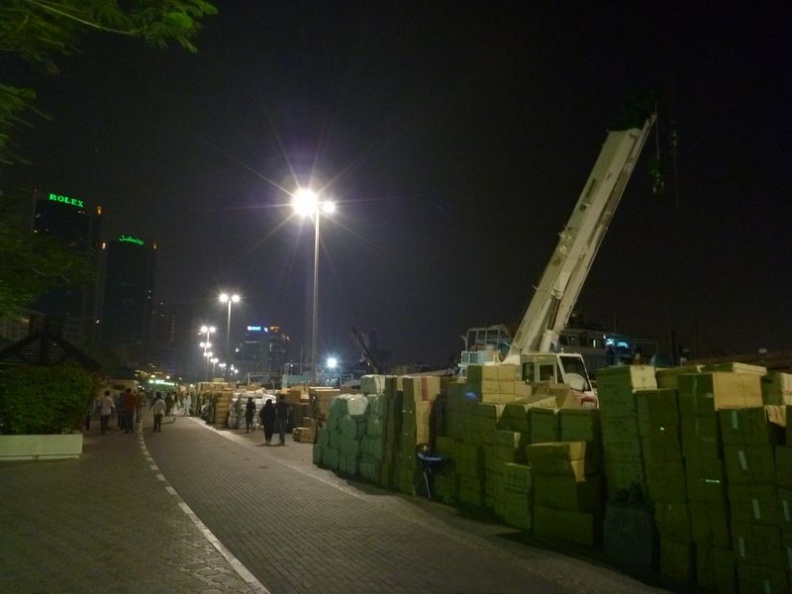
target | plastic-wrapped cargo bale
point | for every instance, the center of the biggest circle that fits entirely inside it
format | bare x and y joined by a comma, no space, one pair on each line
372,384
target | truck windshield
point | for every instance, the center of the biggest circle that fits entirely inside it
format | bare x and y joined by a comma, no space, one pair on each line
574,365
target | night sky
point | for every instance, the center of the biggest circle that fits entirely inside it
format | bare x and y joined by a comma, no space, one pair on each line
456,142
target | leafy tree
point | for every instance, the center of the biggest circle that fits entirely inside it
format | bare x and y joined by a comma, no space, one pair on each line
39,31
40,400
31,264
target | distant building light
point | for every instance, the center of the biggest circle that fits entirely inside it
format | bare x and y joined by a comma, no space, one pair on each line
130,239
66,200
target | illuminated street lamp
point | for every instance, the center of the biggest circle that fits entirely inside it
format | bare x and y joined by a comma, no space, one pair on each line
214,362
228,298
208,330
306,202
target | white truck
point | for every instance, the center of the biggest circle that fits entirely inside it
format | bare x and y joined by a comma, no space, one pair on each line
535,345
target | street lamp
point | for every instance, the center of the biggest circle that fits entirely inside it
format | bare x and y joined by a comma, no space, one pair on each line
208,330
306,202
227,298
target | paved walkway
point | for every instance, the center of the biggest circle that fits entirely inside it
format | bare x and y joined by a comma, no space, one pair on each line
198,510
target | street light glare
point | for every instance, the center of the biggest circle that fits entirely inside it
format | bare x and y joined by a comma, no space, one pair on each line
305,201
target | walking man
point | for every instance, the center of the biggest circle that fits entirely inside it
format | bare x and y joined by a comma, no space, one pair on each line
282,410
129,402
158,407
106,407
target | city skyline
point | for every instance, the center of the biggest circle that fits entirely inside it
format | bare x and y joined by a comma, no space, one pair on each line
455,144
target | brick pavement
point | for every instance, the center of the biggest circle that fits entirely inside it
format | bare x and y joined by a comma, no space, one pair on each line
103,523
299,528
125,517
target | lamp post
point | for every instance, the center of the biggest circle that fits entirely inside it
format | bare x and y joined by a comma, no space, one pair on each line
208,330
227,298
307,203
214,362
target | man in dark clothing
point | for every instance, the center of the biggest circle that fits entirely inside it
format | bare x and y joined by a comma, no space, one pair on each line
282,417
267,416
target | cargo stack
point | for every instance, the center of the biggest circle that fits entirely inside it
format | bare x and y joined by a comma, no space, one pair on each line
750,436
568,489
700,396
661,446
393,426
418,395
621,440
373,446
777,389
340,441
783,480
515,495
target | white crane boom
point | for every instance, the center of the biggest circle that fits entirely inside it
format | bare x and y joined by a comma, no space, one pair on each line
549,310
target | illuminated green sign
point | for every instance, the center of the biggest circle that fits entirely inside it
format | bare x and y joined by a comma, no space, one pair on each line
130,239
67,200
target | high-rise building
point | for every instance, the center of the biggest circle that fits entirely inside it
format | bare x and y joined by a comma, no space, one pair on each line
263,351
70,220
128,298
172,338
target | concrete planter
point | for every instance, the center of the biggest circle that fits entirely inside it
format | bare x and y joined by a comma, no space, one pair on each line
41,447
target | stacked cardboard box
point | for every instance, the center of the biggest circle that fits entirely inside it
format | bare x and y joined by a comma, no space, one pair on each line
568,501
418,395
777,388
373,446
621,440
750,436
515,495
661,447
783,481
492,383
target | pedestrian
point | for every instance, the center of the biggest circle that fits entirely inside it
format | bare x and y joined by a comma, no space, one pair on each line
129,402
282,415
250,414
89,413
186,403
267,416
168,403
158,407
106,407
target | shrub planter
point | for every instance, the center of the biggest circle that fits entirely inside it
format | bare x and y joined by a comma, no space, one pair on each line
41,447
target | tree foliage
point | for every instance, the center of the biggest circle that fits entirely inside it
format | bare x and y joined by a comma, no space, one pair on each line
30,263
37,33
40,400
40,31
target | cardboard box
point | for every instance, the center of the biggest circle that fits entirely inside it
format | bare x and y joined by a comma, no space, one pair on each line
563,458
755,578
637,377
545,426
753,426
709,524
783,462
704,393
706,481
576,527
666,483
663,444
749,464
701,438
620,435
677,561
754,503
716,569
758,544
777,388
580,425
657,407
568,493
624,477
667,378
735,367
673,521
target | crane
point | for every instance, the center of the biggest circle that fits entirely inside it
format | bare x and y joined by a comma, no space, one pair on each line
534,346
